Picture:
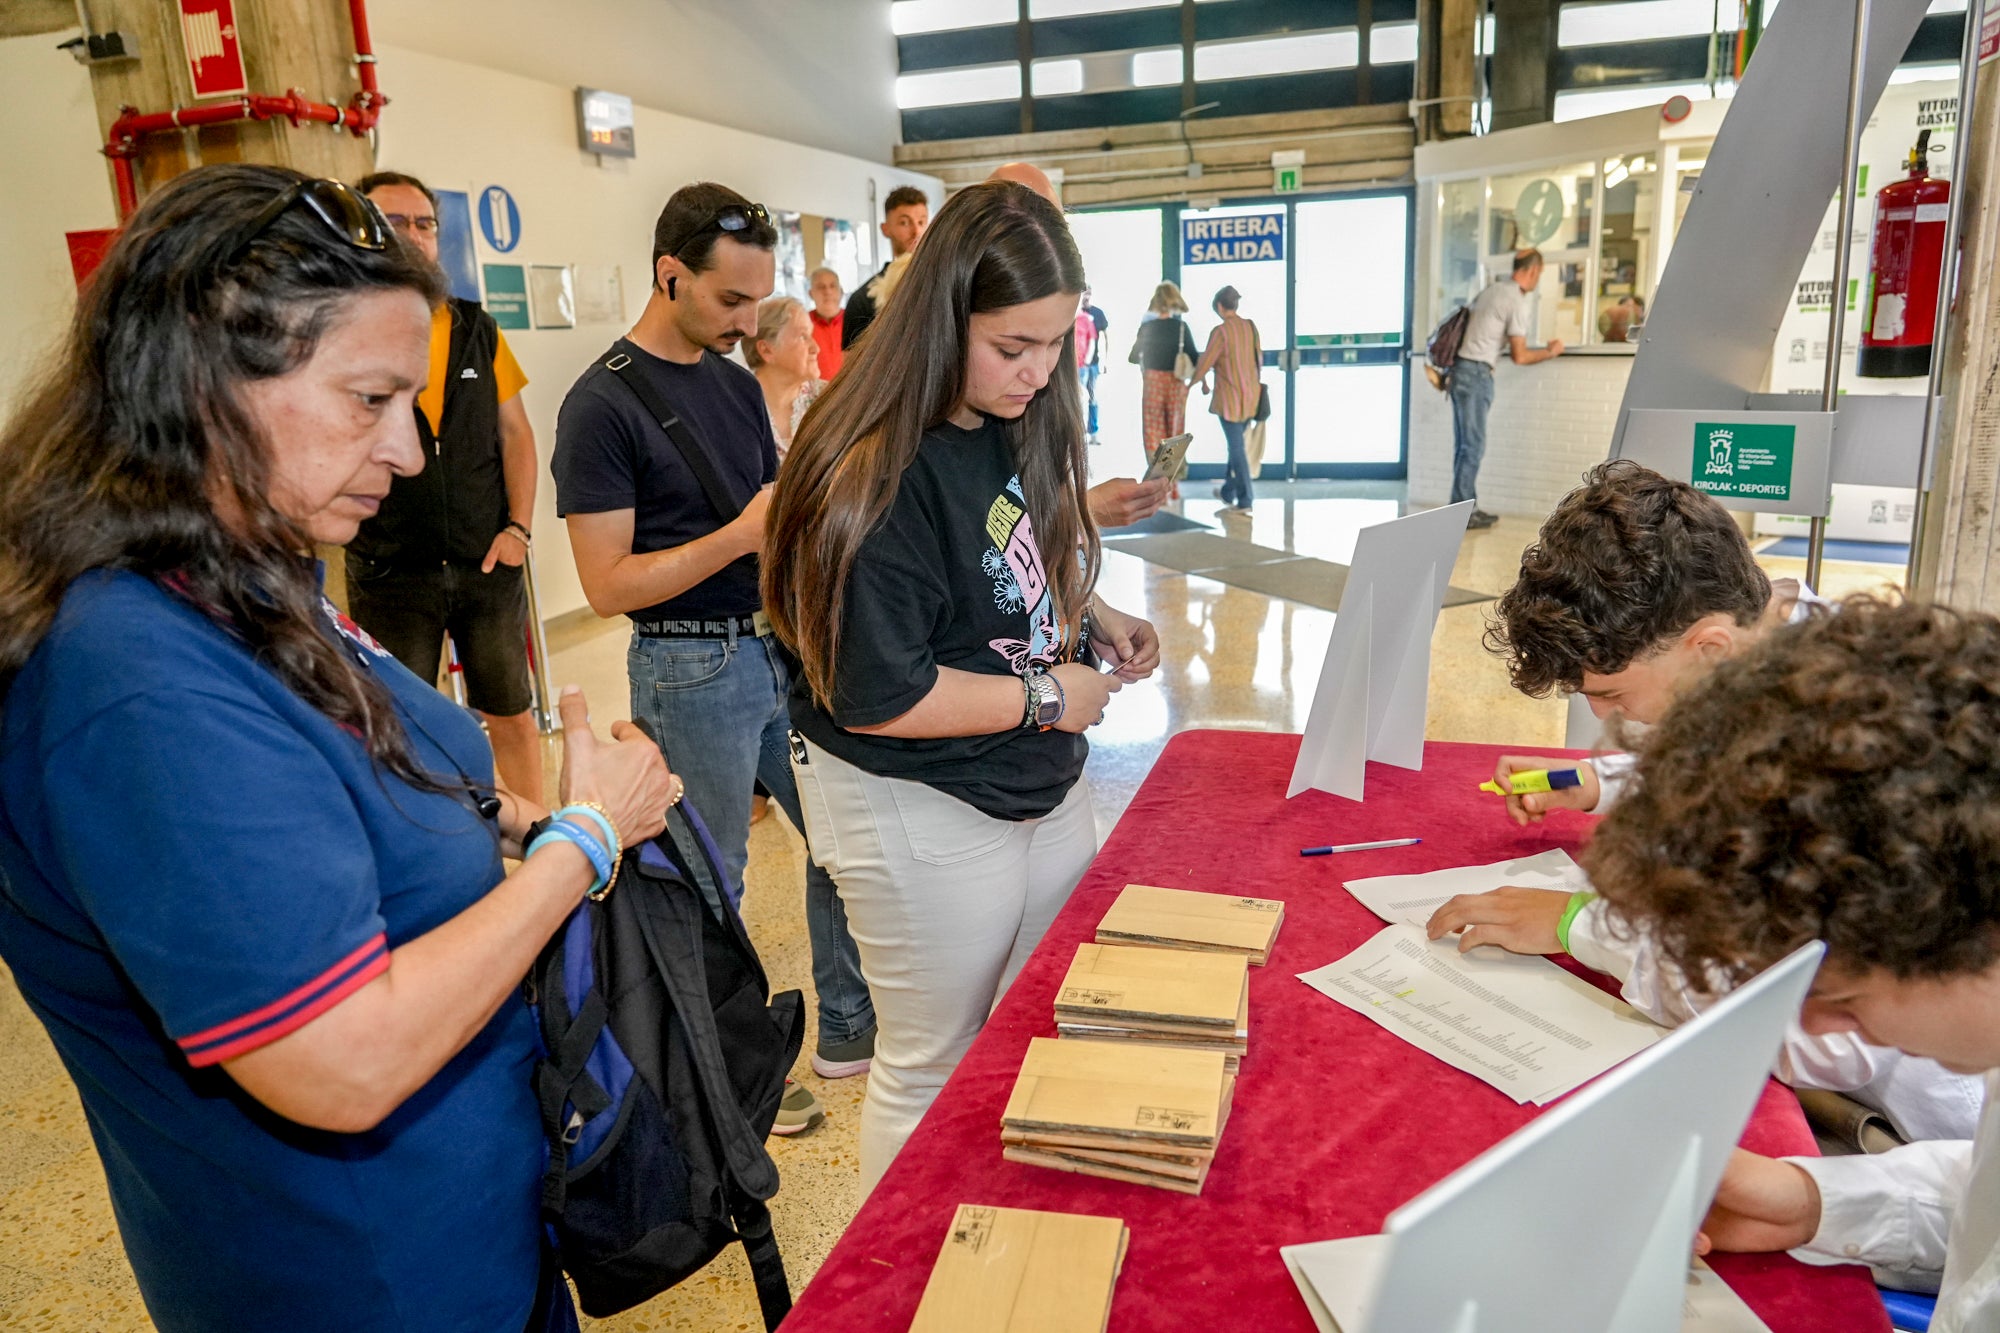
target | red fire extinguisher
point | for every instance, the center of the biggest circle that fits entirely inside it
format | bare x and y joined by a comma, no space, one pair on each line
1903,270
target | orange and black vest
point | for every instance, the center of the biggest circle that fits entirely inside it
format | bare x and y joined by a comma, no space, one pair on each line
454,508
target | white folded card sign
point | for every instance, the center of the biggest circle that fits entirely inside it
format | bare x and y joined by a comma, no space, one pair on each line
1374,688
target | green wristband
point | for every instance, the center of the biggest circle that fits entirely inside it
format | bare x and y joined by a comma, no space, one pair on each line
1579,900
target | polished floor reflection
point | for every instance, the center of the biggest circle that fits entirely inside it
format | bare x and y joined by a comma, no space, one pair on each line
1231,658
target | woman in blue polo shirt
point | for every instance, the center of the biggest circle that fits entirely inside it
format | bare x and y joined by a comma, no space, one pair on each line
252,875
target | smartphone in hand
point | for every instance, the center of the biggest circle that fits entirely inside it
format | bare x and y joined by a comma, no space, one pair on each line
1169,459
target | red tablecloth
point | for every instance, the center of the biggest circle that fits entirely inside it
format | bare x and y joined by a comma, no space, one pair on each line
1321,1142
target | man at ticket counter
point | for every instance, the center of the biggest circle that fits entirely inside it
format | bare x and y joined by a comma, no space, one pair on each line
1499,323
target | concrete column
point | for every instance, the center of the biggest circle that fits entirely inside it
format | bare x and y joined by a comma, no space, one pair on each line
1961,533
1524,58
1447,80
303,44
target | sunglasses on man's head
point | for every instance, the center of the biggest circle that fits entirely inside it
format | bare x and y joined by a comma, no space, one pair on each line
729,218
346,213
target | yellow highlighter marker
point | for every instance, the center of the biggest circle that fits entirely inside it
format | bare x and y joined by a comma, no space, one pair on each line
1533,780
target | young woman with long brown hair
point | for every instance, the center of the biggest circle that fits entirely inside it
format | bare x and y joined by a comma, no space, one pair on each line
930,558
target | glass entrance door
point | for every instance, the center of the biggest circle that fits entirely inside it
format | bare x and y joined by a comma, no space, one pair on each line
1332,309
1123,262
1265,290
1348,374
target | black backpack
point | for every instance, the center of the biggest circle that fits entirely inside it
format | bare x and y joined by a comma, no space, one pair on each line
1442,351
663,1063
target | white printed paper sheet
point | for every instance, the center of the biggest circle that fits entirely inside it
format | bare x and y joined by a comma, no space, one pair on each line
1413,898
1521,1024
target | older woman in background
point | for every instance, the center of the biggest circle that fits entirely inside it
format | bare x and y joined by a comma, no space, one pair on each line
785,359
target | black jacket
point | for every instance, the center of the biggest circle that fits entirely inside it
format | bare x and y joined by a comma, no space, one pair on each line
860,310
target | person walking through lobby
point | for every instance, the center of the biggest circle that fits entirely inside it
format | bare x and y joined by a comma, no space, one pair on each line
930,561
1165,353
250,865
1234,356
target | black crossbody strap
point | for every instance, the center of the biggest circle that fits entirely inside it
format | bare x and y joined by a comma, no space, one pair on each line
691,445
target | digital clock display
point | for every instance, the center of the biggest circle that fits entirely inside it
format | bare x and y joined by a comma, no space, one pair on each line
604,123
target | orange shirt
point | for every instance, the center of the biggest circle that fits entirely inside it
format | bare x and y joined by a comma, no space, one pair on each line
507,375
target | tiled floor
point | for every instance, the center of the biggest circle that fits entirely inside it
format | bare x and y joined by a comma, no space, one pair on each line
1232,658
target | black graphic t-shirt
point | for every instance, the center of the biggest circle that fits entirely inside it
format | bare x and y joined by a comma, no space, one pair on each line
951,577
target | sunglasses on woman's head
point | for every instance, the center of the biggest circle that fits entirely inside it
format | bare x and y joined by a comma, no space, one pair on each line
346,213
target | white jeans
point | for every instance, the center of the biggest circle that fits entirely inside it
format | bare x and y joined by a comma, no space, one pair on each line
946,904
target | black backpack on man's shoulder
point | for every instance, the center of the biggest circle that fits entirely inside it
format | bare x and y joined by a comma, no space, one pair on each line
1442,350
664,1060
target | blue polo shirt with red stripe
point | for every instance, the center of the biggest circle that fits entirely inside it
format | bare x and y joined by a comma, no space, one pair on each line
198,862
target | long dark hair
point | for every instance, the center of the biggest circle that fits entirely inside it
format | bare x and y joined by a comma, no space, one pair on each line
993,246
117,455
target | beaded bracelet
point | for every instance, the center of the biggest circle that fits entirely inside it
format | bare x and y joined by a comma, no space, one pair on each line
580,837
598,815
1579,900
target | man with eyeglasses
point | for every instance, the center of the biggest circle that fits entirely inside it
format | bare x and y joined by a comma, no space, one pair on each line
663,464
444,553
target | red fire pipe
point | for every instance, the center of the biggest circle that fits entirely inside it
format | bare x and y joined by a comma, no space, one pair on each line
358,116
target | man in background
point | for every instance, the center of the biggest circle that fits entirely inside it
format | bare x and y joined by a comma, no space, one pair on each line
905,214
666,523
444,553
1499,322
828,319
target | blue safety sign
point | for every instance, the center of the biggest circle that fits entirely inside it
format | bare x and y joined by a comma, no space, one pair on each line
499,220
1232,237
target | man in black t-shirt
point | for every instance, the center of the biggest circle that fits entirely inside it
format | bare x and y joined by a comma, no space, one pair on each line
905,214
666,527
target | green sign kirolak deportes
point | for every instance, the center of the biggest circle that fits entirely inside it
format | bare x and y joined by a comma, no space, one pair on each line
1752,460
507,295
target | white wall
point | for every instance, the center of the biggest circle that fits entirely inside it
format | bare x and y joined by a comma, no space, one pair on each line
52,180
460,126
1550,423
819,72
465,127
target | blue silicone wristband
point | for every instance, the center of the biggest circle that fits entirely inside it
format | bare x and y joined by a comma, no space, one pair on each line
580,838
574,812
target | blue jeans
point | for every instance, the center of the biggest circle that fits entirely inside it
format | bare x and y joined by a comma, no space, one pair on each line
1471,399
1087,375
1236,482
718,707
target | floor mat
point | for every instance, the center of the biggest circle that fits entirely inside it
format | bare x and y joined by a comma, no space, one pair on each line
1195,552
1873,553
1159,522
1255,568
